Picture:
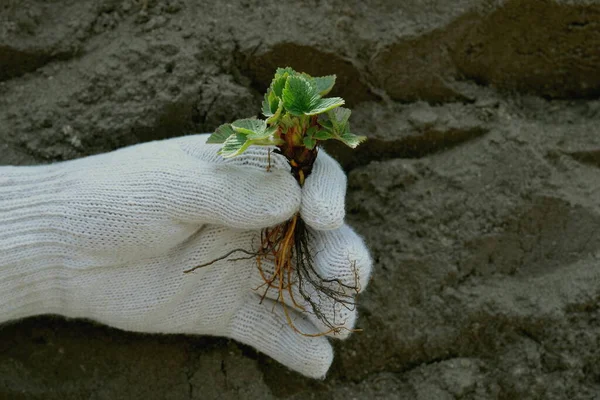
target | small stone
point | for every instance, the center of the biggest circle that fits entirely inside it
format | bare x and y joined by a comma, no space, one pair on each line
422,118
156,22
486,103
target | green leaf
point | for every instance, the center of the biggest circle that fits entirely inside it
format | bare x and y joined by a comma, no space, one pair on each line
278,82
323,105
324,84
278,85
276,115
325,124
351,140
234,145
282,71
273,101
269,141
249,126
309,142
266,108
221,134
299,95
323,135
267,104
339,118
263,135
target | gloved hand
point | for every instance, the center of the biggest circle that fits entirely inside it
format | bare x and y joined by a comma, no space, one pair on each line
108,237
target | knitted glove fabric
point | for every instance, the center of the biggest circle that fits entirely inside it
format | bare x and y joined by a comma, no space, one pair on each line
108,237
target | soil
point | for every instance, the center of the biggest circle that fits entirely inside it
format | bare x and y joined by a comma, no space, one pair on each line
478,192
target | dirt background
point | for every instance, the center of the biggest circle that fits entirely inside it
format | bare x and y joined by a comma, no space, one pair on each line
478,192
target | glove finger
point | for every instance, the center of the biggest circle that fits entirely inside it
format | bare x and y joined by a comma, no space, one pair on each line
255,157
233,196
343,255
264,327
323,194
324,190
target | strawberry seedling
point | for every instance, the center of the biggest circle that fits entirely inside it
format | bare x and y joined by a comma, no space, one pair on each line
297,120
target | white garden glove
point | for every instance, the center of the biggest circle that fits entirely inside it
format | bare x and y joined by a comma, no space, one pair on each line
108,237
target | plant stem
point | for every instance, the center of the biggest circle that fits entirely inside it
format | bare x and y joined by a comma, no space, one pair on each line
301,158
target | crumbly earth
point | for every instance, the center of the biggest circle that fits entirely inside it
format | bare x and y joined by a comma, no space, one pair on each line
478,192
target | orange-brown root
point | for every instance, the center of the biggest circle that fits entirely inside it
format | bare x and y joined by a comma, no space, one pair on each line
280,245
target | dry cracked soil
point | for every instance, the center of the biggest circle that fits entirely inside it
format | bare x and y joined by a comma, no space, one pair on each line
478,192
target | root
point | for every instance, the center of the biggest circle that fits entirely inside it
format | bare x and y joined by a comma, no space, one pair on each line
287,247
250,255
